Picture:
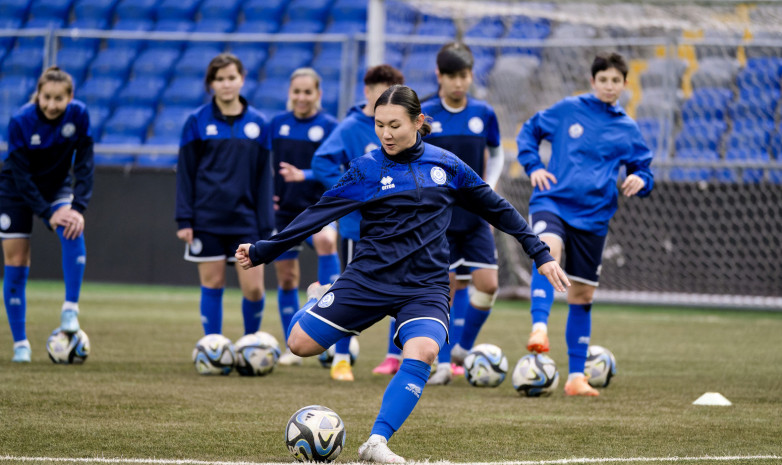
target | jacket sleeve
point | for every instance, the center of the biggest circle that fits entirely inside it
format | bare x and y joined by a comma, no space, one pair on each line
639,162
539,127
329,160
83,167
265,206
20,167
187,165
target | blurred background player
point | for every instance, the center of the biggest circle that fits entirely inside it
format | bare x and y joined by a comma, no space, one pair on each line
294,136
468,128
224,191
401,260
353,137
48,173
575,197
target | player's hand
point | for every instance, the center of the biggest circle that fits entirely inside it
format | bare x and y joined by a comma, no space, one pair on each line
555,275
186,235
542,179
290,173
632,185
243,256
276,202
71,220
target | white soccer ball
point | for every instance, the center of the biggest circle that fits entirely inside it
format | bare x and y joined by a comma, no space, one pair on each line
485,366
600,366
68,348
327,356
315,434
214,355
535,375
256,354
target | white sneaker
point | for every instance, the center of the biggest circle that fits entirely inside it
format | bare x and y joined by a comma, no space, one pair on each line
69,321
376,450
458,354
442,376
289,358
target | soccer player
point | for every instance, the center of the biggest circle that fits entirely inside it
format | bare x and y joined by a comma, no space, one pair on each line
405,191
468,128
352,138
48,173
294,136
575,197
224,191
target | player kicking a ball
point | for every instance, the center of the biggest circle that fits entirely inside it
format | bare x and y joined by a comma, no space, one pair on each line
405,191
575,197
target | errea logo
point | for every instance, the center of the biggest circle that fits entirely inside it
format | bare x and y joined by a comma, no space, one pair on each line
387,182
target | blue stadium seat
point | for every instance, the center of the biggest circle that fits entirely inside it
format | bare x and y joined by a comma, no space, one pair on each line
15,91
328,64
25,61
775,144
98,116
94,9
656,133
116,159
38,23
155,62
348,26
195,60
185,91
751,134
309,10
400,13
171,25
330,100
220,9
126,24
700,135
748,175
420,66
715,72
490,27
483,65
281,65
763,77
159,160
56,9
9,23
113,62
100,90
137,9
178,9
249,87
258,26
75,40
707,103
271,95
75,61
142,91
349,10
436,26
129,121
253,57
399,27
14,9
683,174
170,120
221,25
302,26
265,10
424,88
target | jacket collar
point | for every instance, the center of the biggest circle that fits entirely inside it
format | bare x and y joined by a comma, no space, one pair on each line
408,155
220,116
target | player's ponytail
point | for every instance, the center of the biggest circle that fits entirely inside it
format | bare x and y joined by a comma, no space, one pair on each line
53,74
408,99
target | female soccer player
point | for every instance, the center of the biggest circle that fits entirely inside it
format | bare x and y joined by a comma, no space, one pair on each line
224,191
574,198
294,137
47,139
405,191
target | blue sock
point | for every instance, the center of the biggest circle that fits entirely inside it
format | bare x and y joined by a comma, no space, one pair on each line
252,313
74,258
542,296
473,322
212,310
444,356
342,346
328,268
297,316
14,284
577,332
401,396
461,299
288,304
392,348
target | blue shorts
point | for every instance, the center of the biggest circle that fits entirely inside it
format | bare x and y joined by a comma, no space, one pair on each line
583,249
293,252
463,273
208,247
16,217
473,249
349,308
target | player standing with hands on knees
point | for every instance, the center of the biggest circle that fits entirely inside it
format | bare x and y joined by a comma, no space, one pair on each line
406,191
48,173
575,197
224,191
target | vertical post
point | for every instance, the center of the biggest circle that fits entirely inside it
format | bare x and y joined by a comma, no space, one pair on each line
376,30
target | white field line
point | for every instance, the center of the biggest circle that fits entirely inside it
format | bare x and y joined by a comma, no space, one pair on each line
120,460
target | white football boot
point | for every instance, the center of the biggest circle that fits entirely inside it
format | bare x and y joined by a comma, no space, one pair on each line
442,375
289,358
376,450
69,318
458,354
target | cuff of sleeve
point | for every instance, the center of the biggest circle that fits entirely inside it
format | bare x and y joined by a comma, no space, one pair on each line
308,175
184,224
79,208
253,254
542,258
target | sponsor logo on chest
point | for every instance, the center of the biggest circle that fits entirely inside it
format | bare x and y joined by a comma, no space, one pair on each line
387,182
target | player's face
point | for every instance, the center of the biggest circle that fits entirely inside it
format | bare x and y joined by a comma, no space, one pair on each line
454,86
227,83
608,85
53,99
395,129
304,94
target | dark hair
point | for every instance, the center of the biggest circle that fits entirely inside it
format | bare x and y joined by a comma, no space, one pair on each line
383,74
407,98
454,57
608,60
219,62
53,74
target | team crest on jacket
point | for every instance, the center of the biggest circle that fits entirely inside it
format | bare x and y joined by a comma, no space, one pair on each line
475,124
438,175
68,129
327,300
315,133
211,129
370,147
252,130
5,221
285,130
575,130
437,127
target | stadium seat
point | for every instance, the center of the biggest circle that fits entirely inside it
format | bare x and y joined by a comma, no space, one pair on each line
14,9
23,61
488,27
328,64
775,145
720,44
708,104
130,24
330,100
663,73
99,90
185,91
258,26
170,120
116,159
219,9
159,160
346,26
271,95
401,28
281,65
8,23
253,57
700,135
142,91
38,23
178,9
129,121
694,174
195,60
95,9
715,72
98,116
750,133
758,106
171,25
113,63
219,25
349,10
264,10
302,26
137,9
748,175
657,134
436,26
76,61
75,39
309,10
420,67
15,91
425,89
55,9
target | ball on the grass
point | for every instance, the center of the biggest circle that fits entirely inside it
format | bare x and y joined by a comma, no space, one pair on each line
315,434
214,355
256,354
600,366
485,366
67,348
535,375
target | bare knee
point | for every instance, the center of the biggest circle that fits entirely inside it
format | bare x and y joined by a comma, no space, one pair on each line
302,344
580,293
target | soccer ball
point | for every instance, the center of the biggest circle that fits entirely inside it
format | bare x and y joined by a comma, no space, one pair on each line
315,434
214,355
68,347
485,366
600,366
535,375
256,354
326,357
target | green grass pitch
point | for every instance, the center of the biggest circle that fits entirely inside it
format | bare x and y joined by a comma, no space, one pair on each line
139,397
